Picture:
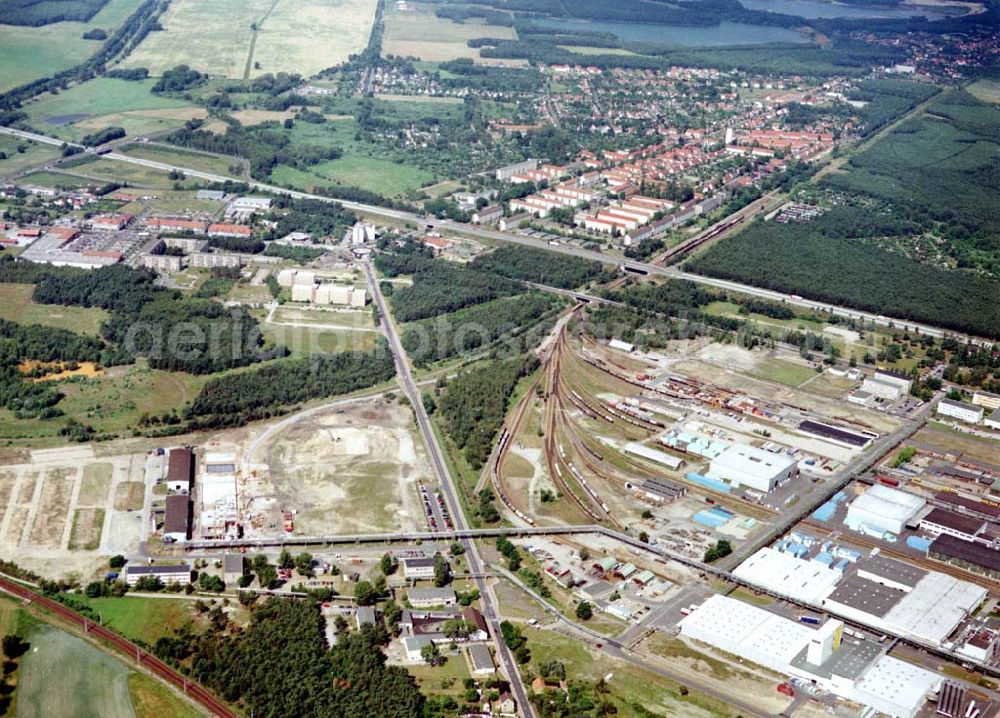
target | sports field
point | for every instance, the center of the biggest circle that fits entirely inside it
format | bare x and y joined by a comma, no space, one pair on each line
105,102
61,676
303,36
30,53
418,32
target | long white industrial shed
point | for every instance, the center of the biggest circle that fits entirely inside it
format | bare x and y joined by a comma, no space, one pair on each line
744,465
883,509
930,611
807,581
883,683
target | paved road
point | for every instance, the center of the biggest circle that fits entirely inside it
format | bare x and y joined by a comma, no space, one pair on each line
401,216
619,650
487,599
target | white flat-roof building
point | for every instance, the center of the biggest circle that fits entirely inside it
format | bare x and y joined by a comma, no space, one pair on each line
957,410
993,420
303,292
621,346
808,581
895,687
930,610
432,596
745,630
854,670
173,573
886,386
660,457
418,568
881,509
744,465
413,647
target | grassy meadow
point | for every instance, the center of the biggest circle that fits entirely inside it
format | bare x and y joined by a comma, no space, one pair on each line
33,53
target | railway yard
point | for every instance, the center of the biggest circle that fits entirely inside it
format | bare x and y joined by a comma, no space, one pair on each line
647,484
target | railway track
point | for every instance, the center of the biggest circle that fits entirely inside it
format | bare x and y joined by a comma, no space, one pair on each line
554,453
192,690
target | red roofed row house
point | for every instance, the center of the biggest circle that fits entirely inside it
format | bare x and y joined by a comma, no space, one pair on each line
172,224
111,222
229,230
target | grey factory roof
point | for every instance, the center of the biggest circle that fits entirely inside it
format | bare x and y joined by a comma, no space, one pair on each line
864,595
956,522
892,570
849,661
950,547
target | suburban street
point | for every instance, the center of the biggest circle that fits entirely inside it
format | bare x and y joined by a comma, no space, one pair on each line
487,599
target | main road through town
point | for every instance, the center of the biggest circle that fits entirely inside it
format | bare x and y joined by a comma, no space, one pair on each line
475,231
487,599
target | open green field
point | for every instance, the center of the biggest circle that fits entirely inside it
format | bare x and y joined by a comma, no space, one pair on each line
136,175
153,699
382,176
16,305
145,619
945,439
986,90
305,341
782,372
442,680
107,102
199,161
31,53
33,154
731,309
111,402
61,676
418,32
55,179
294,36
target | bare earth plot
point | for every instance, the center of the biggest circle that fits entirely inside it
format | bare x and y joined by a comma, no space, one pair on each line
59,514
303,37
53,502
418,32
352,470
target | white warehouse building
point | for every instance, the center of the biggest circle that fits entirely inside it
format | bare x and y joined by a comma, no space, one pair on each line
887,386
854,670
881,510
750,467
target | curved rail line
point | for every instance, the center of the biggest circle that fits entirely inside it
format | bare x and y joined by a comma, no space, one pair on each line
194,691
